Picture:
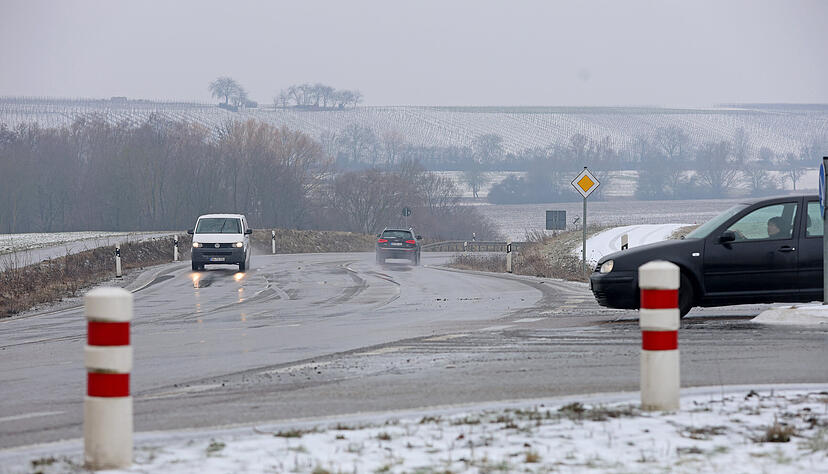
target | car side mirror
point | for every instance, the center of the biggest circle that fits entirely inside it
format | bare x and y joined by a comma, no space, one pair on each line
248,232
727,236
191,231
419,237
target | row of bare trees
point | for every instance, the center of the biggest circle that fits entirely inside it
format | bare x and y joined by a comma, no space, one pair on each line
317,96
162,175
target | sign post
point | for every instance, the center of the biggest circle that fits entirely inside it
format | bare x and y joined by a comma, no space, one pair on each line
822,201
406,211
585,183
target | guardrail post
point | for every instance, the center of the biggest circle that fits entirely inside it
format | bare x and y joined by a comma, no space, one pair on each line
273,241
118,261
465,244
509,255
175,249
107,407
625,242
659,321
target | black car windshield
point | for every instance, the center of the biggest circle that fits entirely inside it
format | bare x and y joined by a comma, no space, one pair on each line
218,225
397,234
705,229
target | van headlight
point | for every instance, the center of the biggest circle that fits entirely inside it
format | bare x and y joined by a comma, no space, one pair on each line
238,245
196,245
606,267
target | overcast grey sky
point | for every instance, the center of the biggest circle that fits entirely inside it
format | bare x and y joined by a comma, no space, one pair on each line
469,52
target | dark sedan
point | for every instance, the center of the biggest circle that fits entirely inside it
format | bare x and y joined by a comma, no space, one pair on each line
762,251
398,243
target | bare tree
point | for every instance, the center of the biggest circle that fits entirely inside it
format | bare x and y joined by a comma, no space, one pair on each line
224,87
717,167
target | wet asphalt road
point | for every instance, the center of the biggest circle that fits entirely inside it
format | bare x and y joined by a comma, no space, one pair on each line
327,334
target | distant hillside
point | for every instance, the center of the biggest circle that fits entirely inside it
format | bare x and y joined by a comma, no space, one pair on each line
781,127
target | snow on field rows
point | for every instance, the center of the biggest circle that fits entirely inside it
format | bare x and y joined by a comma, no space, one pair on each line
779,129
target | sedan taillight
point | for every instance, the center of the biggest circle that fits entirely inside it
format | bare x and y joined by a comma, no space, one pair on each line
382,241
411,241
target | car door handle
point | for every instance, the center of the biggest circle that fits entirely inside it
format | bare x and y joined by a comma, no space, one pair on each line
787,248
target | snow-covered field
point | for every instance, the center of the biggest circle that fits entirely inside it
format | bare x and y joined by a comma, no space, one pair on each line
781,128
719,429
623,184
517,220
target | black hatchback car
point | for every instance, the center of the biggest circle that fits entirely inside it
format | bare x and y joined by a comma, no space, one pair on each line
398,243
761,251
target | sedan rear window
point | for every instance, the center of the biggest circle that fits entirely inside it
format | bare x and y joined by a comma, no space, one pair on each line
397,234
218,225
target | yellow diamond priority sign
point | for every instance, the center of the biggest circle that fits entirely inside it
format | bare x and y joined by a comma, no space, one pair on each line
585,183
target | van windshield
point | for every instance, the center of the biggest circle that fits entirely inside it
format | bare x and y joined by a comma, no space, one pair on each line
218,225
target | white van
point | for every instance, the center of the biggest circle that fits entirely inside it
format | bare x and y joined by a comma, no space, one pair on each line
222,239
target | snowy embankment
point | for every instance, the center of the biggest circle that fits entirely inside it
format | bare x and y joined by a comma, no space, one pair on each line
26,249
609,241
737,429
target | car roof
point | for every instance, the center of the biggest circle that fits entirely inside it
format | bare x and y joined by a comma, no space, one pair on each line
238,216
399,230
750,202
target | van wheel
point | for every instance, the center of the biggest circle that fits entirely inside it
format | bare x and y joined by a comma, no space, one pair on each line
196,267
242,266
687,295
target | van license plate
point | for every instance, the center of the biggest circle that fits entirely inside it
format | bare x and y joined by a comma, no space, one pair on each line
216,259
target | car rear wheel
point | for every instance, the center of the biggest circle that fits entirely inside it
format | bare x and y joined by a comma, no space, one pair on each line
687,295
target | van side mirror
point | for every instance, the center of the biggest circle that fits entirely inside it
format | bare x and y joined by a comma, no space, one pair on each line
248,232
727,236
191,231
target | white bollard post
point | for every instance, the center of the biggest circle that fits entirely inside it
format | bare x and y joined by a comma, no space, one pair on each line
625,242
273,241
175,249
509,255
659,321
118,261
465,244
107,407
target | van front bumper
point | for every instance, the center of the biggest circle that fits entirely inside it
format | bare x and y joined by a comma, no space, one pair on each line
208,255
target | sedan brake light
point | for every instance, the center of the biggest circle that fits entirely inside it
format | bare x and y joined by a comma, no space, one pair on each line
382,241
411,241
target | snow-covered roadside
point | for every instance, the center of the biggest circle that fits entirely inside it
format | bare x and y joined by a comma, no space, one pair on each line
718,429
609,241
26,249
18,242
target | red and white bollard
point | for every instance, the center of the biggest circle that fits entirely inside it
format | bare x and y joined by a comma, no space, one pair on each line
107,407
659,321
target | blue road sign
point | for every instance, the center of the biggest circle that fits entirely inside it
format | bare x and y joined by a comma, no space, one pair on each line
822,189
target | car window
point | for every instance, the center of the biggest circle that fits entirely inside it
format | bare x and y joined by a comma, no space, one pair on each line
218,225
705,229
766,223
814,226
397,234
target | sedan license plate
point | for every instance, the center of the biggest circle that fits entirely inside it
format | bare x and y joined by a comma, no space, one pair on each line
396,244
216,259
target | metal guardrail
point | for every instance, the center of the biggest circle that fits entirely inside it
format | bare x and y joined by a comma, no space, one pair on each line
470,246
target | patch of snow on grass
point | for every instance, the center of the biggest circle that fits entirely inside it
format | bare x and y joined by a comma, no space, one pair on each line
609,241
742,431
